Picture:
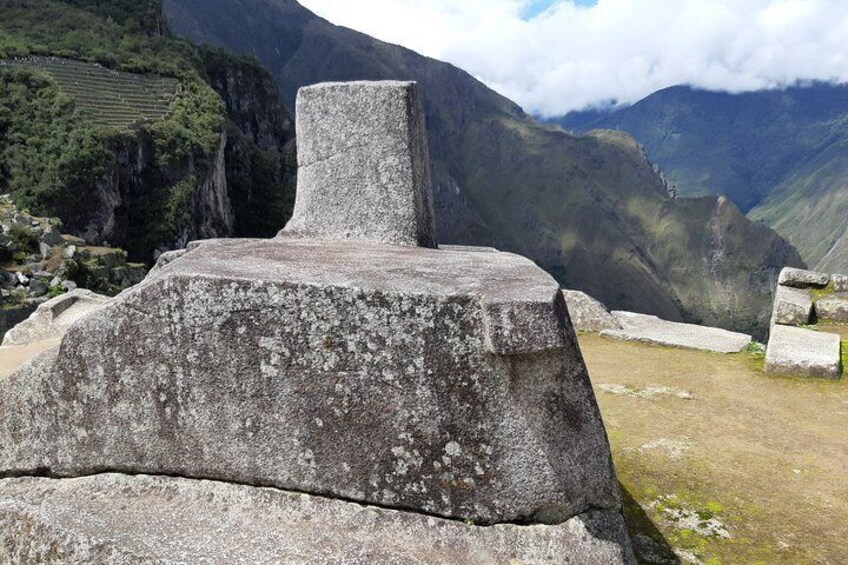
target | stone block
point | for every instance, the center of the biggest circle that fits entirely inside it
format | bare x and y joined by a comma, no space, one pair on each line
832,309
792,306
363,165
799,278
388,375
127,520
797,351
650,329
840,283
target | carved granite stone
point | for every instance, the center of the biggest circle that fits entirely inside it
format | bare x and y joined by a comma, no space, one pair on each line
363,166
354,365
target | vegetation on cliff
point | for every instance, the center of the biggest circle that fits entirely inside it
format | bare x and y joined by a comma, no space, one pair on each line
140,186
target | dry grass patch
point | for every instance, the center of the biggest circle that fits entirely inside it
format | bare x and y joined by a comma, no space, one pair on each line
753,468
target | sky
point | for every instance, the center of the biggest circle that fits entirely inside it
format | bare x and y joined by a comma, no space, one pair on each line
554,56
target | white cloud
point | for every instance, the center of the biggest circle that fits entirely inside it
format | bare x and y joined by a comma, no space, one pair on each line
570,57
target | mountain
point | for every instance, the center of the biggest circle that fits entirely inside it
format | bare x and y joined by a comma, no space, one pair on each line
591,209
780,155
132,136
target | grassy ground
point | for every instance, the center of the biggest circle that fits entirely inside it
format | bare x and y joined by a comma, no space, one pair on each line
721,462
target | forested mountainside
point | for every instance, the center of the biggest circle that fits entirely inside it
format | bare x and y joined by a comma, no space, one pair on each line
132,136
779,155
590,209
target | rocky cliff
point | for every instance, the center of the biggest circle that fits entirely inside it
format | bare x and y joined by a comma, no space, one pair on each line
779,155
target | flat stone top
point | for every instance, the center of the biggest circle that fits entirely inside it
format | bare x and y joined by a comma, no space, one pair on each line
493,276
650,329
360,84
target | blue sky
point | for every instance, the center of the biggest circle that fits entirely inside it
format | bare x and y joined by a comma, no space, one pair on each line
539,6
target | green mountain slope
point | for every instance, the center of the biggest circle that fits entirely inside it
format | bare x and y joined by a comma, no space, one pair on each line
132,136
779,155
591,209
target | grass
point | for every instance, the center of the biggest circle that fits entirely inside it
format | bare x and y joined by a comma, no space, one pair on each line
109,98
764,456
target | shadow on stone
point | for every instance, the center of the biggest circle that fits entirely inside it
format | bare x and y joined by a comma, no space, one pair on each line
649,543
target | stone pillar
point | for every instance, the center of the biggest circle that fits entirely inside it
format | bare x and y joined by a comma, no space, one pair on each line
363,164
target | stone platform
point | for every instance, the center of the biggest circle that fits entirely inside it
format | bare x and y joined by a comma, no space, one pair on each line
406,377
121,519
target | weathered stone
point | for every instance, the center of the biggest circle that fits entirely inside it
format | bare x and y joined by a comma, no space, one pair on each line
840,283
52,235
792,306
587,314
37,287
364,170
8,278
45,250
832,309
441,381
53,318
21,279
799,278
650,329
69,286
797,351
70,251
119,519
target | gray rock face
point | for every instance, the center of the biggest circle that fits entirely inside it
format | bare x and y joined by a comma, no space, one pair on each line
799,278
364,170
449,383
650,329
120,519
796,351
587,314
832,309
792,306
53,318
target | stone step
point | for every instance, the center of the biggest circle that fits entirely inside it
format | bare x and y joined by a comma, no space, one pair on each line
143,519
796,351
650,329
